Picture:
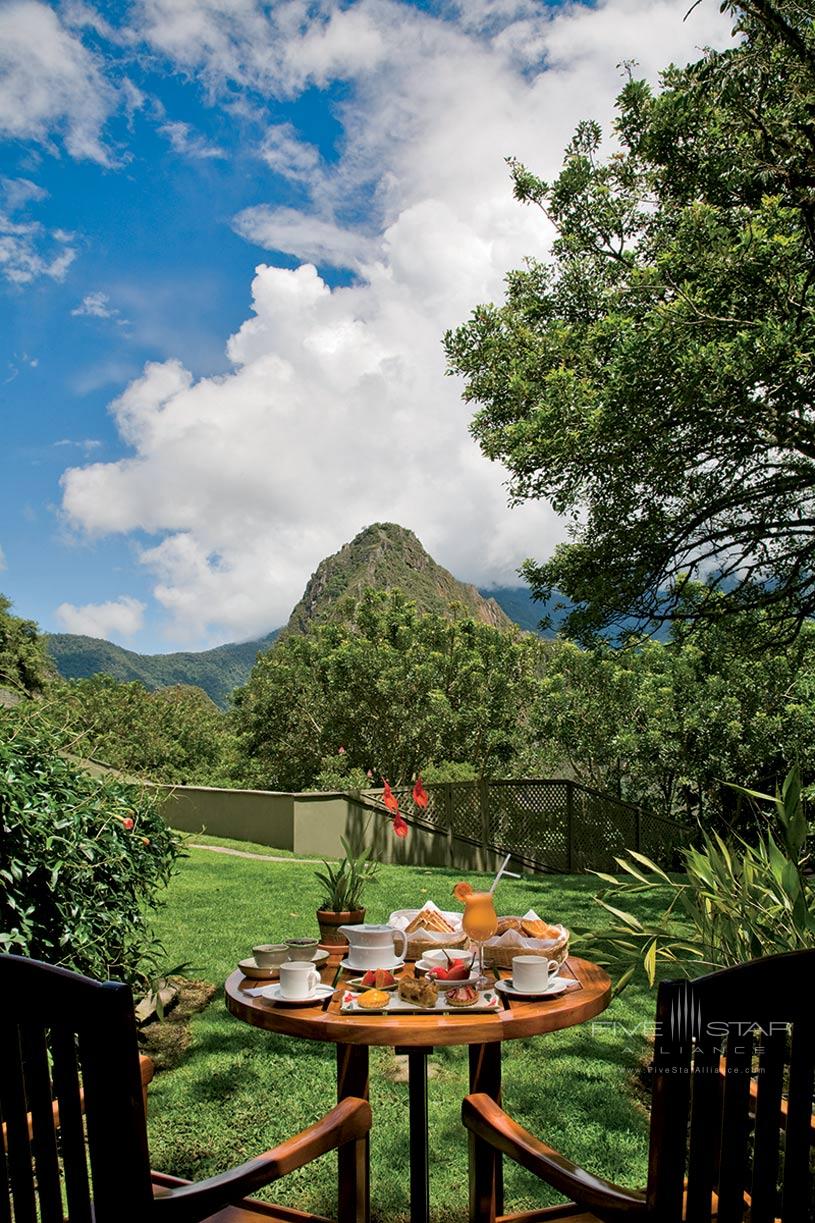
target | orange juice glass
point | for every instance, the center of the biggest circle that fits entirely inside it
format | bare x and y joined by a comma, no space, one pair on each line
479,922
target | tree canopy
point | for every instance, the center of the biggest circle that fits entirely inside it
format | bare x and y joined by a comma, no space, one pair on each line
395,690
24,663
654,379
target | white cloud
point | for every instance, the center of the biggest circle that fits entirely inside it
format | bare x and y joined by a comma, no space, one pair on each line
288,155
49,82
98,305
188,142
306,236
337,412
120,617
18,192
28,252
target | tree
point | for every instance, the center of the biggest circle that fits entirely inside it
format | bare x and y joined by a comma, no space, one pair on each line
664,725
24,663
172,735
654,380
395,690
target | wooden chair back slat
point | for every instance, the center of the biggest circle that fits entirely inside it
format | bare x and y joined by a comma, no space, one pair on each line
705,1130
15,1115
71,1126
734,1169
767,1129
5,1187
797,1186
670,1107
43,1131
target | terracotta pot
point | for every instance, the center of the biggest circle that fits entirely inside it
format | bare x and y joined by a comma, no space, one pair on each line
328,921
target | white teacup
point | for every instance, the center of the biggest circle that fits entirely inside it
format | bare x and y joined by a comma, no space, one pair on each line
298,979
531,974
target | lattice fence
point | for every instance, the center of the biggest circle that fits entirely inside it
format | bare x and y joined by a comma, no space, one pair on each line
557,825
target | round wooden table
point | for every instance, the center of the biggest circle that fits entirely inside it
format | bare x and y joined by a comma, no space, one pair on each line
416,1035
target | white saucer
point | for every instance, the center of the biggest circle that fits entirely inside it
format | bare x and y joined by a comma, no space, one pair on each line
347,966
552,990
274,994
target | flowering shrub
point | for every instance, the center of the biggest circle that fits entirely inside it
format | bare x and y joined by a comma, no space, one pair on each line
81,860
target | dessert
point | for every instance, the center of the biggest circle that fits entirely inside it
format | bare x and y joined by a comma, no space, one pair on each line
378,978
462,995
373,999
456,970
539,929
429,919
421,991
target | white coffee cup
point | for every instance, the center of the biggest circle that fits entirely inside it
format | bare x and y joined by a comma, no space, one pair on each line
531,974
298,979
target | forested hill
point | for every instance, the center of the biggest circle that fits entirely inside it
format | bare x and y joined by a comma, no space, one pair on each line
385,556
217,671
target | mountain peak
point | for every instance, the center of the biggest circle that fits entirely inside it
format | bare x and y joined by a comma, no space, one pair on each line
386,556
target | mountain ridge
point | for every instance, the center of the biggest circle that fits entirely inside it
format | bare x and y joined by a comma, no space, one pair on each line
382,555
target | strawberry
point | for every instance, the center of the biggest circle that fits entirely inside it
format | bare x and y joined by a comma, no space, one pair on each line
384,979
440,974
369,980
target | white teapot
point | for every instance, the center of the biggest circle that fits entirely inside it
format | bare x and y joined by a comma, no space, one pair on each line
373,946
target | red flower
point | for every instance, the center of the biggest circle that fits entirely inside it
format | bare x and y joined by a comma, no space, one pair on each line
399,825
341,751
127,823
420,796
389,798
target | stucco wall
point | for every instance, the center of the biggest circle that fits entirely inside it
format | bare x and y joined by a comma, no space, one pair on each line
313,824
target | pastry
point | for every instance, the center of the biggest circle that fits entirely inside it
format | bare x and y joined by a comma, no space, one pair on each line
429,919
507,923
419,990
373,999
539,929
463,995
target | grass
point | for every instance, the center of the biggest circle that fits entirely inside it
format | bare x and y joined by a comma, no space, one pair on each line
239,1091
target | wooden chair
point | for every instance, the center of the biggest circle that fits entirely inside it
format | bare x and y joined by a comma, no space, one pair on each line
731,1114
68,1044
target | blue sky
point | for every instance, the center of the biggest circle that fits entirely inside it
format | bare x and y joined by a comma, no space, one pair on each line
170,487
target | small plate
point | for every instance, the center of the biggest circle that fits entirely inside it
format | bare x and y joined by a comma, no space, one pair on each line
257,973
273,994
347,966
553,990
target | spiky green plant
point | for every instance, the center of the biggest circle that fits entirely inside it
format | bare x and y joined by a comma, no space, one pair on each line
735,900
345,882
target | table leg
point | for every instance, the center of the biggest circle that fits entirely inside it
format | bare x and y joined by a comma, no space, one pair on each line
354,1164
485,1076
419,1155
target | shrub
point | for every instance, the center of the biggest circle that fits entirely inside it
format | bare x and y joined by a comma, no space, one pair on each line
81,860
737,899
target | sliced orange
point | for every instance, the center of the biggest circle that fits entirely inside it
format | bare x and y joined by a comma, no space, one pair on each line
462,890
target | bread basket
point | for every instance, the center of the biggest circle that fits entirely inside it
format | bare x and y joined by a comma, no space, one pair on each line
499,953
420,941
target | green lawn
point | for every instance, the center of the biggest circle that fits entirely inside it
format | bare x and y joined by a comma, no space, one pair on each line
239,1091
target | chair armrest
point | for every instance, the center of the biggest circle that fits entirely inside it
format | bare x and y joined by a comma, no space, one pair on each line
488,1121
348,1121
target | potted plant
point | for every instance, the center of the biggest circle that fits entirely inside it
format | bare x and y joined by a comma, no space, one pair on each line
343,885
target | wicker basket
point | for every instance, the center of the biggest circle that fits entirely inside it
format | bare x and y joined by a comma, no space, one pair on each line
418,944
496,956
